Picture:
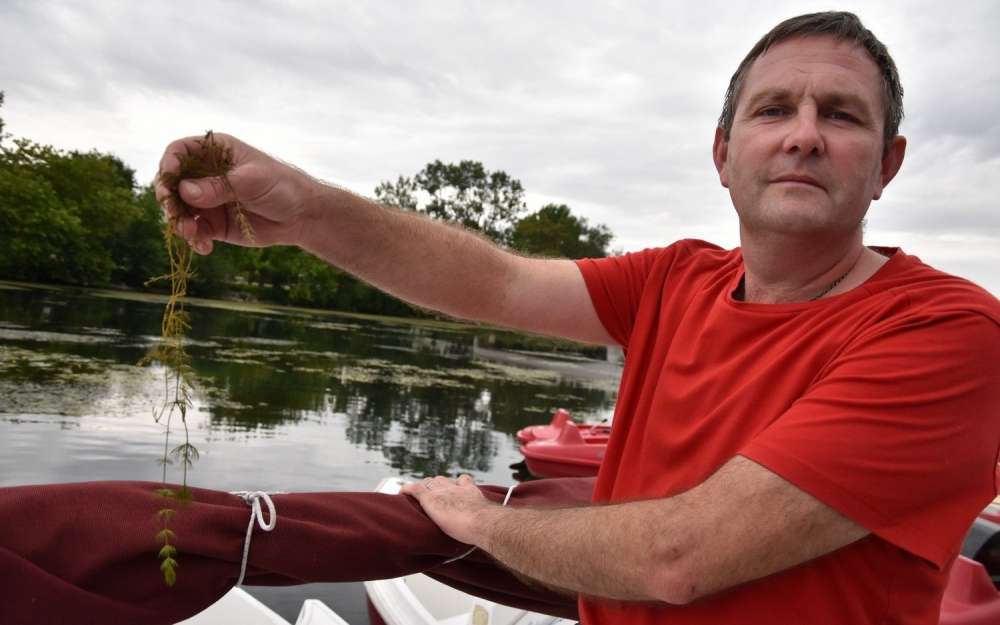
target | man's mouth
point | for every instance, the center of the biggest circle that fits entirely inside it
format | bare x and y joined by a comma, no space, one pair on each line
798,179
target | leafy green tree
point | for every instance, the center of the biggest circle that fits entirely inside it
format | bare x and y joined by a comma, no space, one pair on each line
316,282
214,275
288,275
100,190
44,237
359,296
466,194
76,217
139,254
1,118
39,234
554,231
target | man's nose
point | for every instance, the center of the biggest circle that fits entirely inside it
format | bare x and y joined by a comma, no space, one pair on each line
804,134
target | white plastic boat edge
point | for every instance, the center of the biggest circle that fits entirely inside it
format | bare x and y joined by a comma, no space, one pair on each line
236,606
315,612
420,600
240,607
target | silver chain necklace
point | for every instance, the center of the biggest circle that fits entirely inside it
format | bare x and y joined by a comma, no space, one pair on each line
740,294
830,288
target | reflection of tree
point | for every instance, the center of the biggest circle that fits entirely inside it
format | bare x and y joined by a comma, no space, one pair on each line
425,342
280,370
432,444
263,389
418,436
43,310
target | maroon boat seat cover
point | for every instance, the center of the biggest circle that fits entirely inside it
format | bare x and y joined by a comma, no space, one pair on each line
86,553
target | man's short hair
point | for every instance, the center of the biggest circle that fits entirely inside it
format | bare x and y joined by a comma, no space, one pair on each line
843,26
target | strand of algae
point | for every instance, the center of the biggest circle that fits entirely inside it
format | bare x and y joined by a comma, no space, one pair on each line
208,159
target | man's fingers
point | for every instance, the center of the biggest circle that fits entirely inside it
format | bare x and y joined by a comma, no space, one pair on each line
168,205
186,228
164,198
203,248
434,483
169,161
438,482
199,232
414,489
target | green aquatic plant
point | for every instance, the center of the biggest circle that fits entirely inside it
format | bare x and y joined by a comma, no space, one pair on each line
208,159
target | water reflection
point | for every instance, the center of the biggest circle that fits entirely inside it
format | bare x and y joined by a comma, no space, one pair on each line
429,397
422,437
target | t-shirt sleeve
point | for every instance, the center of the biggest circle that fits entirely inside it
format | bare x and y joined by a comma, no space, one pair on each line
616,285
900,432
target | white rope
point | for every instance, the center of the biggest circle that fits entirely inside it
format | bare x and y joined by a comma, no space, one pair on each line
252,498
510,491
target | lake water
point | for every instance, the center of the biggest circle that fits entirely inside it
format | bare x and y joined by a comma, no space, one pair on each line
284,399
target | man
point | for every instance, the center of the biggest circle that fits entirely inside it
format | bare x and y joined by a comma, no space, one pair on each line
806,426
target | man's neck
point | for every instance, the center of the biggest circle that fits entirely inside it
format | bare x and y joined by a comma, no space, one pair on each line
783,269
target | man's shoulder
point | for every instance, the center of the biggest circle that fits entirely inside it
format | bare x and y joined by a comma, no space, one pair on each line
927,288
684,255
693,254
705,249
685,247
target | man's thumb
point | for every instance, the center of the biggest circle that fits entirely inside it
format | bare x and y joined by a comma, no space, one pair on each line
190,190
203,192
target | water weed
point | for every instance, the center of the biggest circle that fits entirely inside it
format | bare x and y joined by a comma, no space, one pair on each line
208,159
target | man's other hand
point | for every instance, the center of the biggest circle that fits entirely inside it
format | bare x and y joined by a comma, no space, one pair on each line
458,508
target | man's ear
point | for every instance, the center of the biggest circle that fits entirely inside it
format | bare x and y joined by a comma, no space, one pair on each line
892,160
720,150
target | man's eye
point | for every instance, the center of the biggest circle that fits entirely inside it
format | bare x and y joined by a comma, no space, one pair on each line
771,111
842,116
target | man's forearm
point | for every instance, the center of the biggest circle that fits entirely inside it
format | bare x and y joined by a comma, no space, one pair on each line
616,552
424,262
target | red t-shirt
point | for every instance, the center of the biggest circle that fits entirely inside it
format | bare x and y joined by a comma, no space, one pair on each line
882,402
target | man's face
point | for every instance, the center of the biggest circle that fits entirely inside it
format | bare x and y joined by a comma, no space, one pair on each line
805,153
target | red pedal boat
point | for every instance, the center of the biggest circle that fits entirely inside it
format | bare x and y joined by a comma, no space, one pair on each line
592,433
569,454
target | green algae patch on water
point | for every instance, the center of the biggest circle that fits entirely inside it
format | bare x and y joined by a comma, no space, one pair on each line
7,333
71,385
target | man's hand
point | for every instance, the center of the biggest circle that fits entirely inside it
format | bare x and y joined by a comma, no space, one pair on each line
272,195
458,508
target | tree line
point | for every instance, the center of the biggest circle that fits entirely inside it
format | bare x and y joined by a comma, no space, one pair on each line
81,218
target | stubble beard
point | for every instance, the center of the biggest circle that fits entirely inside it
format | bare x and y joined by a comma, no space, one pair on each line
794,212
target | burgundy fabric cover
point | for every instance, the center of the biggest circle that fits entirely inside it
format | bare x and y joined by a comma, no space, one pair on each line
85,553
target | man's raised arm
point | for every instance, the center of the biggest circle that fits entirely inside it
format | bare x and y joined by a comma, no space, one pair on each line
427,263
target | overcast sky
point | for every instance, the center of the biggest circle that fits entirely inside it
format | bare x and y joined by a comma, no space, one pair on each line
607,107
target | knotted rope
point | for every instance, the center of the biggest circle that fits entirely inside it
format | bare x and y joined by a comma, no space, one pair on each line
253,498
